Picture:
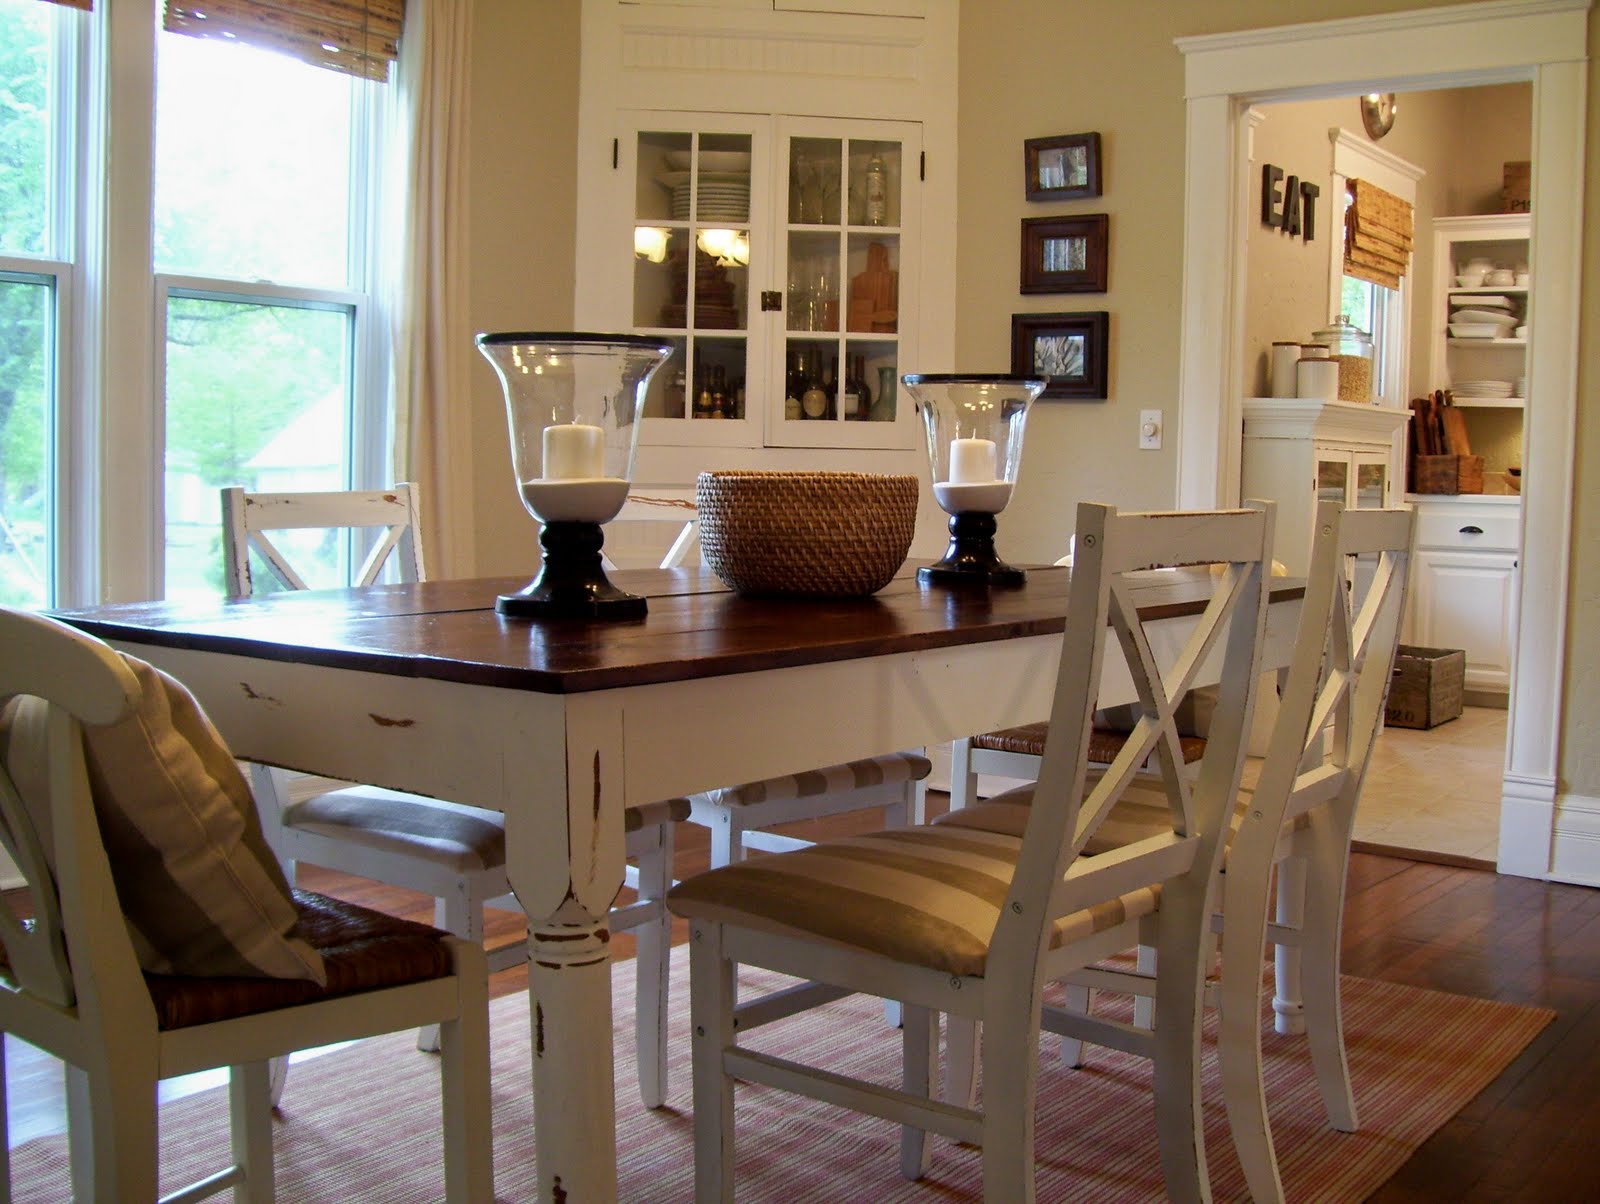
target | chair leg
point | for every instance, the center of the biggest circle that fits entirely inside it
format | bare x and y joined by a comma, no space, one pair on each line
651,969
111,1130
1288,999
460,914
1239,1029
250,1120
1144,1006
1180,987
277,1079
920,1047
1324,1018
464,1086
1078,1001
961,1040
1010,1083
711,1015
963,780
726,846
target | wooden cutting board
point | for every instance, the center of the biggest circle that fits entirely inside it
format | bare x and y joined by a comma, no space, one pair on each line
1456,442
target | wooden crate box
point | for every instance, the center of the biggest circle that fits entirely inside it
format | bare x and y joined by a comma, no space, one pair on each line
1425,689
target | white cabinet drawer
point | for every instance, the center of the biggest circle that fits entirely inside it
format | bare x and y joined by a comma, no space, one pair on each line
1485,527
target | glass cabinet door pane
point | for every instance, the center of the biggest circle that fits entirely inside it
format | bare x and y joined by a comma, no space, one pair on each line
872,303
1371,481
814,173
1333,477
874,194
813,301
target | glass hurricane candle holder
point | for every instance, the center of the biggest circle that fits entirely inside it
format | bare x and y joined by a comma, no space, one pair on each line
574,404
974,426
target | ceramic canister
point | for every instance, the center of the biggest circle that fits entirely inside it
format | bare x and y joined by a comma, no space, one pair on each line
1284,358
1317,378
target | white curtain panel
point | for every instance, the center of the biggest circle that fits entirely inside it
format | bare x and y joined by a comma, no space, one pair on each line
424,277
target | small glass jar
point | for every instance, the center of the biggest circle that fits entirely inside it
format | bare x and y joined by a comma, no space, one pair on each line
1352,347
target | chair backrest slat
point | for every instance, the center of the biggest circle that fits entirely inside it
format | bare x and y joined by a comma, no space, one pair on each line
248,517
663,508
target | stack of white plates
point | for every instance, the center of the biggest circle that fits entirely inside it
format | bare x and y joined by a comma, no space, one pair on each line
1482,388
1489,302
724,196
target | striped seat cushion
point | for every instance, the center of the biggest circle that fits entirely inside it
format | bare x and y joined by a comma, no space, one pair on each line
1141,812
462,839
835,779
925,896
1104,744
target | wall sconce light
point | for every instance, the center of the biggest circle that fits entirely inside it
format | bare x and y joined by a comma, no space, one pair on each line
650,242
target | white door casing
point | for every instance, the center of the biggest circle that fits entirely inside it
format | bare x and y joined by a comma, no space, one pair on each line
1500,41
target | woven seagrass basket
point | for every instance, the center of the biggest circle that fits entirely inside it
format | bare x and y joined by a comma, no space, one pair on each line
813,534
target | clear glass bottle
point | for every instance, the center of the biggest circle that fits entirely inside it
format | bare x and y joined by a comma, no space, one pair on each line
877,191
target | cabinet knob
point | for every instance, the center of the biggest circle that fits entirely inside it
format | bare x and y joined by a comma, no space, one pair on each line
1472,530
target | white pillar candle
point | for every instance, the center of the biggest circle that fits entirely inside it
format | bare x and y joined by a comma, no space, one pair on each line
572,451
971,461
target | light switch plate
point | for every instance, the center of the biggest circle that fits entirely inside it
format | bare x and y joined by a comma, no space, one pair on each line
1150,427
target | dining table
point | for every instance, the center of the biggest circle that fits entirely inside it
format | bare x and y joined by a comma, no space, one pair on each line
562,724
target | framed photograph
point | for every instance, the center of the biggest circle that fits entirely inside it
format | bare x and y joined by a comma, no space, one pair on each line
1071,349
1064,254
1063,168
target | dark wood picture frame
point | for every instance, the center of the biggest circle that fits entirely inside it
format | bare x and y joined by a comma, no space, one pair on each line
1065,254
1083,340
1064,167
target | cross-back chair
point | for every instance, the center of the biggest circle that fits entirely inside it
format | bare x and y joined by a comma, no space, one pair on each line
884,913
451,851
1290,834
73,984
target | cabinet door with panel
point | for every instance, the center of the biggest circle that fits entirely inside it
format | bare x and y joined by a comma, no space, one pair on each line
1465,599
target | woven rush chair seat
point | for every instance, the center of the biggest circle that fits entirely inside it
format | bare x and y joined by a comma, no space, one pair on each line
811,783
926,896
362,949
455,836
1104,744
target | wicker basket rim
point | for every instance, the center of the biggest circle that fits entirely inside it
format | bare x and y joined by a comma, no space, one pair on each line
754,474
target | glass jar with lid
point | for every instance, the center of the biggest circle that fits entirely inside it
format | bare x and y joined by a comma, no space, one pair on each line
1352,347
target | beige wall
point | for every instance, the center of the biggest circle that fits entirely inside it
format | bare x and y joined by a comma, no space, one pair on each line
524,203
1125,79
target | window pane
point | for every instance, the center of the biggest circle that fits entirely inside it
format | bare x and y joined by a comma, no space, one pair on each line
25,408
24,124
253,155
257,395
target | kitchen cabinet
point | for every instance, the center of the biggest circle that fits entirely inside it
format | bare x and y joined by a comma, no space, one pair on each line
1480,371
1299,452
1464,582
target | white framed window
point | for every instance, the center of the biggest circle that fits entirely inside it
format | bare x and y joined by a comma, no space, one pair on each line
249,217
267,344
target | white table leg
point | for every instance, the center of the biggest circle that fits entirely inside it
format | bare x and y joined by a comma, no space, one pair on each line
574,1114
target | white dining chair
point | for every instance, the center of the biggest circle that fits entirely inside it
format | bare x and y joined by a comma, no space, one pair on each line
973,923
75,987
1289,840
454,852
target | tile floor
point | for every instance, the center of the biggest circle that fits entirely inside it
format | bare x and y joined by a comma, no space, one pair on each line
1437,791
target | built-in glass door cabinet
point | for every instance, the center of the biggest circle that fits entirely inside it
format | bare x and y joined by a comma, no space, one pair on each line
1480,330
772,252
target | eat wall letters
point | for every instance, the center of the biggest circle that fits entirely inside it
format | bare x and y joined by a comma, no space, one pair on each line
1288,203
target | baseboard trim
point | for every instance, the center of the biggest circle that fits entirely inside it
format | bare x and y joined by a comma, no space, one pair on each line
1575,856
1427,856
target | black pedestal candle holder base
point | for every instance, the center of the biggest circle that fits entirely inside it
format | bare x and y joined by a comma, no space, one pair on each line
970,559
572,584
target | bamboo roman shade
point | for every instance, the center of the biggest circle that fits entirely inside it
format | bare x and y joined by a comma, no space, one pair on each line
357,37
86,5
1377,236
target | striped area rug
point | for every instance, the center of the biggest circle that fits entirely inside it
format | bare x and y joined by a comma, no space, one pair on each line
362,1124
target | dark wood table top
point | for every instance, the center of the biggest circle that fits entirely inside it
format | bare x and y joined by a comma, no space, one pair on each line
695,628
